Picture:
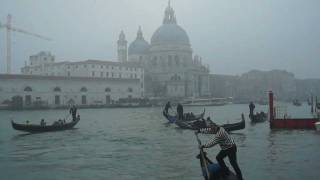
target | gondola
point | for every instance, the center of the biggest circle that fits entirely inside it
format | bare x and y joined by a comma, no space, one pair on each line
211,170
187,117
195,125
33,128
255,118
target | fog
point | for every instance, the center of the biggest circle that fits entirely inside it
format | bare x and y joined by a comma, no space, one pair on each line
233,37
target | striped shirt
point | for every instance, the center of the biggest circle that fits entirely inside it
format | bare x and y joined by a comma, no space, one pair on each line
222,138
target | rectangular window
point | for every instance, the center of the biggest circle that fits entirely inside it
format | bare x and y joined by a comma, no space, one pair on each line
112,74
92,73
108,99
119,75
57,100
84,99
28,100
107,74
68,74
101,74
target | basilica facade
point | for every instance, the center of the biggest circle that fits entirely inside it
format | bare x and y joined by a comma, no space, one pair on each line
171,70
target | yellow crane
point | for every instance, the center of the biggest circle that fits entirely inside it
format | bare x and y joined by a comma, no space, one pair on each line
10,28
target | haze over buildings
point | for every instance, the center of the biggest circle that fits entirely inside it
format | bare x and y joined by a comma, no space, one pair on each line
233,37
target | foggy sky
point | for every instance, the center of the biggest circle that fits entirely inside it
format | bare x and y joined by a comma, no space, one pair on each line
233,37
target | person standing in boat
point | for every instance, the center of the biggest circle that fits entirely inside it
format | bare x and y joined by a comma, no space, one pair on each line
167,107
73,112
180,111
251,108
227,145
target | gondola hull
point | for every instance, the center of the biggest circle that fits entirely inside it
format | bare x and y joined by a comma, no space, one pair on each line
173,119
257,118
228,127
38,128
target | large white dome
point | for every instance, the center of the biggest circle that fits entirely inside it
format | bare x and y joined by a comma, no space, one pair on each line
171,34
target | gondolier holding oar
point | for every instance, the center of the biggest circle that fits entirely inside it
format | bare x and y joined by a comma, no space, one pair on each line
228,148
73,112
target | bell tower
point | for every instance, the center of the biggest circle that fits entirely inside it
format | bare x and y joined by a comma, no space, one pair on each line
122,48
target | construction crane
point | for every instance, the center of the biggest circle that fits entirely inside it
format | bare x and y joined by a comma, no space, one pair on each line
10,28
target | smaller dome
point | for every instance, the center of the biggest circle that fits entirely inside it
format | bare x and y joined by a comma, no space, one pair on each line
138,46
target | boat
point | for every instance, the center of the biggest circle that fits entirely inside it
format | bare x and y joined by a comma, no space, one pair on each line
187,116
34,128
259,117
287,122
211,170
195,125
207,102
296,102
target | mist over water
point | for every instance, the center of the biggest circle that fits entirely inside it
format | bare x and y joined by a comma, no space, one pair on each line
139,144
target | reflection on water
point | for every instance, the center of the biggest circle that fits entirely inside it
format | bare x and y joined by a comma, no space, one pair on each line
140,144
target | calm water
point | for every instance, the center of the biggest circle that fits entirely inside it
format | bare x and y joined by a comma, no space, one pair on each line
138,144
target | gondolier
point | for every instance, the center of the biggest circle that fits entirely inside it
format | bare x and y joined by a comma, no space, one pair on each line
228,148
180,111
251,108
73,112
167,107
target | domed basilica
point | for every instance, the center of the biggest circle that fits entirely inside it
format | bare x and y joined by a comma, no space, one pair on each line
170,68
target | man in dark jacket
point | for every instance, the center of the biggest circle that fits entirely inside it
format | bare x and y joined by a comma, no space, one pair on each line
73,112
167,107
251,108
180,111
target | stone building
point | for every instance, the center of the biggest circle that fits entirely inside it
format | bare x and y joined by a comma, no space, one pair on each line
170,68
57,91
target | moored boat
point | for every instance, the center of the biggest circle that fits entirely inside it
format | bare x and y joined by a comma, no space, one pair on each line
34,128
207,102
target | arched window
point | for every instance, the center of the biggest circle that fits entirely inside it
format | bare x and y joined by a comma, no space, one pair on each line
107,90
154,62
130,89
28,88
176,59
83,89
57,89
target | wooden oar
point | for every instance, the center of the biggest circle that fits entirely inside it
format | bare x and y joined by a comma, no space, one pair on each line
202,156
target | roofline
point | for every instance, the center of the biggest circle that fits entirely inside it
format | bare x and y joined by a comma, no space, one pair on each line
39,77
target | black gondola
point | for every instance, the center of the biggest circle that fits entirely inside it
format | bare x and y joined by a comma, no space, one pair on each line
33,128
211,170
195,125
187,116
255,118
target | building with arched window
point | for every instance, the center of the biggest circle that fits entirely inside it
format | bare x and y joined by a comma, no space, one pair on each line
56,91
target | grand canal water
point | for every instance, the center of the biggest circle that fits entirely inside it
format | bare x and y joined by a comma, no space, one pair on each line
138,144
